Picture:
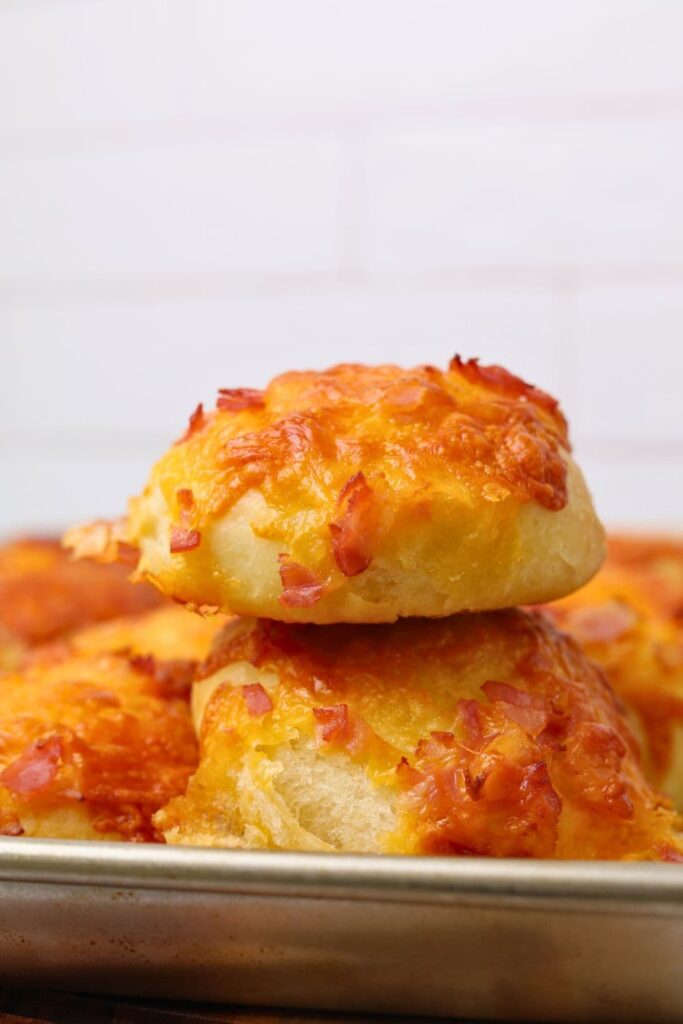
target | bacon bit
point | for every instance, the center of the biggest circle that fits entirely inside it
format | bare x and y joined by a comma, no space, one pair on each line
498,379
257,700
332,723
601,739
508,694
601,625
353,534
301,587
525,709
443,738
11,827
470,717
236,399
671,855
555,733
183,539
537,787
35,768
196,423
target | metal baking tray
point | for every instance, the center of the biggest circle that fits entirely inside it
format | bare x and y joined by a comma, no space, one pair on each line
460,937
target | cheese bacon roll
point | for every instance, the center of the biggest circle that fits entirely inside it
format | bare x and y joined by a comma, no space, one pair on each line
91,745
630,620
364,494
486,735
45,595
95,730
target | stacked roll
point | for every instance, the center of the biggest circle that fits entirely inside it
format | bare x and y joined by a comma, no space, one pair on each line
373,532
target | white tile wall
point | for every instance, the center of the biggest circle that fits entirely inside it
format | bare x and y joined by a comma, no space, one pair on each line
533,194
199,193
630,358
83,62
636,493
360,55
173,211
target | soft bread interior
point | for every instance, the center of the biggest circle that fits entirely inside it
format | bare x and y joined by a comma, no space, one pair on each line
292,794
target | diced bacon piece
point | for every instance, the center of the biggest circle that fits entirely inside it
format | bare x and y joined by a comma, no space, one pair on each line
353,535
332,723
528,711
237,399
301,587
671,855
183,539
470,718
508,694
196,423
257,700
35,768
498,379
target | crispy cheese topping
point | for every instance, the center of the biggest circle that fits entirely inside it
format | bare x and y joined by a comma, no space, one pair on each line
309,430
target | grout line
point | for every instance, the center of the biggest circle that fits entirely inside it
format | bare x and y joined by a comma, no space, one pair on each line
352,278
188,128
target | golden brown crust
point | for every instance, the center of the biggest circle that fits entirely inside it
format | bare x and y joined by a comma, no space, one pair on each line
485,734
364,494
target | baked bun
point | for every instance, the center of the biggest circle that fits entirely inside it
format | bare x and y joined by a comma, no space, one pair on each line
364,494
45,595
92,745
490,735
630,620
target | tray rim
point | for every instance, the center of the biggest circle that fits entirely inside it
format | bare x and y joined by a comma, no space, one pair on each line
636,885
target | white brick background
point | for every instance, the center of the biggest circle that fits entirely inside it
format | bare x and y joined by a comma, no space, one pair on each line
201,193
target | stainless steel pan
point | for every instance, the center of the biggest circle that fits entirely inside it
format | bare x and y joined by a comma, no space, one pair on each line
488,939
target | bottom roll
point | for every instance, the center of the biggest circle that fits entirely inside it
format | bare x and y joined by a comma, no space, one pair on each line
489,735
